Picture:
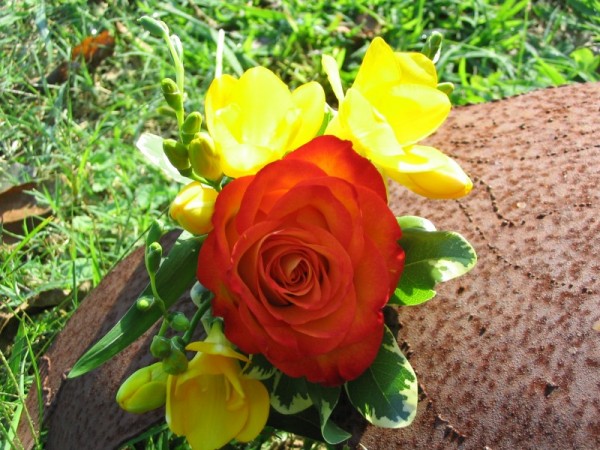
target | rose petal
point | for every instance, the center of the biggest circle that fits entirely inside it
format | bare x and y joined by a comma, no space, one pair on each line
332,155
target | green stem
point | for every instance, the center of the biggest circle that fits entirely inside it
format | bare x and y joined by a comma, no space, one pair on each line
157,297
194,322
179,75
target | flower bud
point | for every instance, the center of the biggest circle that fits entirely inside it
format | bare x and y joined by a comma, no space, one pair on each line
177,154
433,46
175,363
155,232
144,390
156,28
190,127
172,94
160,347
199,294
144,303
204,158
193,208
446,87
166,111
177,343
153,257
179,322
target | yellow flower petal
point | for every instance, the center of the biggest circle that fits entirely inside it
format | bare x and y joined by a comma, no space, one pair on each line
379,67
257,397
333,75
309,100
413,111
414,159
417,69
447,181
209,424
263,99
371,135
212,348
218,96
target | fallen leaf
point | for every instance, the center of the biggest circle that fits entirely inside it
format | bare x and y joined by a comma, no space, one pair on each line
92,50
18,206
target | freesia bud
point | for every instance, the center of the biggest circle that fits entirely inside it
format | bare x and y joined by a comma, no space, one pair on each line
198,294
193,208
155,232
160,347
175,363
172,94
433,46
144,390
204,158
144,303
156,28
153,257
177,154
190,127
446,87
179,322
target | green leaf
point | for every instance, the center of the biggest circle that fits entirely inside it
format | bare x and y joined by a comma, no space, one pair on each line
325,399
289,395
259,368
175,276
431,257
386,394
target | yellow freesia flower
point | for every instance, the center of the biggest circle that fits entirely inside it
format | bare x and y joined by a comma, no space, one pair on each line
212,402
193,207
393,104
256,120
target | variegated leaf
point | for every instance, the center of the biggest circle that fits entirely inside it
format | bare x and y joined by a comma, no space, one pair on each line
386,394
289,395
259,368
325,399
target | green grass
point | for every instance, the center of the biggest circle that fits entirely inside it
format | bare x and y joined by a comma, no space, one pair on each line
78,138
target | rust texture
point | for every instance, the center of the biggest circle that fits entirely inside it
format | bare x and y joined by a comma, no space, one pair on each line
507,356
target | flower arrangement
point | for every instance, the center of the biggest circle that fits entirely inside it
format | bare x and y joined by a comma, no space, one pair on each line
290,250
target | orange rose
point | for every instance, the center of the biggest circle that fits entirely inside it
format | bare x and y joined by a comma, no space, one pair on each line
302,259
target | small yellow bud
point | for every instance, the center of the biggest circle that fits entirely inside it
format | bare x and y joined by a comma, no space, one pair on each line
193,208
144,390
204,158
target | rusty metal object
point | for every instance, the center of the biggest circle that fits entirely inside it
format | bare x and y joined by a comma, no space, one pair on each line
507,356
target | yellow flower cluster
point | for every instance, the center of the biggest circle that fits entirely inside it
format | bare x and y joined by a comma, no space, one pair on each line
392,105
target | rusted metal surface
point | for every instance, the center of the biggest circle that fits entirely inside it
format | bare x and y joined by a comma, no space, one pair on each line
507,356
